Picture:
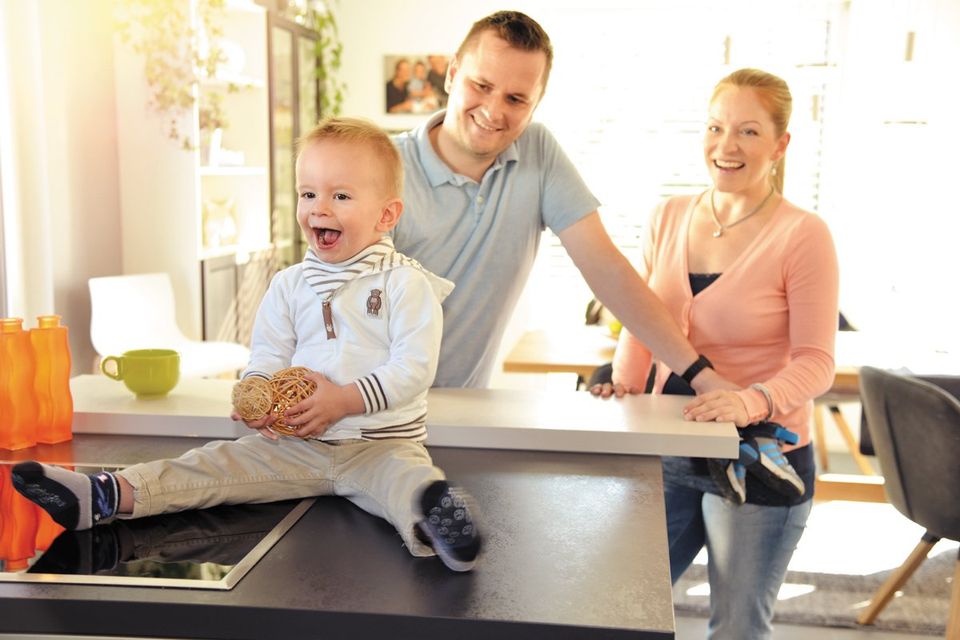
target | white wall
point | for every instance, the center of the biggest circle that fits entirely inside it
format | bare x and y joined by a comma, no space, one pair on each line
60,186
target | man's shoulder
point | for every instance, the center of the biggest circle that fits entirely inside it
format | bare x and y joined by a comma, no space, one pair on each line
404,141
409,140
536,133
407,144
537,146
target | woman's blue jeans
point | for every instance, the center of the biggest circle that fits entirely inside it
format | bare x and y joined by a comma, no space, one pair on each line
748,550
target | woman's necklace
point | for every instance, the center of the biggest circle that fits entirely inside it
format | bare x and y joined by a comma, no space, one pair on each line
723,227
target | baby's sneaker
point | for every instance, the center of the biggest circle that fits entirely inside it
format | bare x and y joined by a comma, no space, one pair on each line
448,523
763,458
730,477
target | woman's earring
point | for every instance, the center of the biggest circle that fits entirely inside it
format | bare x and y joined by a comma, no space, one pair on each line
773,171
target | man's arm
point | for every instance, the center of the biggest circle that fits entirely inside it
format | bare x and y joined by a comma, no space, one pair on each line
621,289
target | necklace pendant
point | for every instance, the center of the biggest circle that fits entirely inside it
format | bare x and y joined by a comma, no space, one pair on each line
718,233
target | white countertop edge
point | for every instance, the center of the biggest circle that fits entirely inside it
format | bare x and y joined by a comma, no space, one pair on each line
471,418
471,437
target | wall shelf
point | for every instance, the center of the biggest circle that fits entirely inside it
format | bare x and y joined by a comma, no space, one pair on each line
179,209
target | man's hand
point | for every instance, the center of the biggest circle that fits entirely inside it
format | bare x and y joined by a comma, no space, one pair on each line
329,404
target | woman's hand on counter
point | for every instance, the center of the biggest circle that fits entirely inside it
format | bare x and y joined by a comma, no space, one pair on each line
718,406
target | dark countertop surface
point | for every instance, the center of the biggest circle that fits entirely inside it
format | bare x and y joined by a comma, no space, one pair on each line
575,548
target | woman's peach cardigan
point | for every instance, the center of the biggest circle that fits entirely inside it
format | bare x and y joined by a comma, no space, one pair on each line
771,317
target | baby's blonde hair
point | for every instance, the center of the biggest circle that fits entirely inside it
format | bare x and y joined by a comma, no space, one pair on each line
360,131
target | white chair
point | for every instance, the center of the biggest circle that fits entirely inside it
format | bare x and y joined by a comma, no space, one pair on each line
138,312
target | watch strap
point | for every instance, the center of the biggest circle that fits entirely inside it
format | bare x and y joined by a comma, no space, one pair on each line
694,369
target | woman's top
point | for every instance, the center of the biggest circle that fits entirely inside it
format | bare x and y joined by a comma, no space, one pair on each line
769,318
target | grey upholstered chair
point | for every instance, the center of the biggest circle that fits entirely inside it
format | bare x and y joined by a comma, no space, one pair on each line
915,425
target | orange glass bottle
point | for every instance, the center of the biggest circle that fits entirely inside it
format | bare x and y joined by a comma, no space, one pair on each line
47,529
51,348
18,525
18,404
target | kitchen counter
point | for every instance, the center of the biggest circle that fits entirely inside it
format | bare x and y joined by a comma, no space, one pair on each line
474,418
575,547
569,487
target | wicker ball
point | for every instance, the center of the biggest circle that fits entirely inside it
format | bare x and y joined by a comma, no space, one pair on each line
289,387
252,398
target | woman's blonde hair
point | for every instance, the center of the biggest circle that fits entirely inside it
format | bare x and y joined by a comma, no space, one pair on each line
774,95
360,131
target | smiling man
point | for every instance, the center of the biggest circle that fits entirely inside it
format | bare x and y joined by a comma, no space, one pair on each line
483,181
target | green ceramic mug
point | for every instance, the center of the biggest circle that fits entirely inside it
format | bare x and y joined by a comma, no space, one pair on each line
146,372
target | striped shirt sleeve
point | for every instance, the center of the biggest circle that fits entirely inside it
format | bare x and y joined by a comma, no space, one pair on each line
374,397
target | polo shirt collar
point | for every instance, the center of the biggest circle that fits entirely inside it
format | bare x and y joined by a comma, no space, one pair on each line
436,170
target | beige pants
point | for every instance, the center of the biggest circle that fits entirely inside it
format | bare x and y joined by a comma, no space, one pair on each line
384,478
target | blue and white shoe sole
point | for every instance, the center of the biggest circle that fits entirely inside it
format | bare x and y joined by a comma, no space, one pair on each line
776,477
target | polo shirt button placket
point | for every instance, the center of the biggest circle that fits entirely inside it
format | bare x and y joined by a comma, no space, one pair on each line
478,201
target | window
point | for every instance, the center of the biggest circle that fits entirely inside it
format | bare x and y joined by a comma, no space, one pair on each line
645,80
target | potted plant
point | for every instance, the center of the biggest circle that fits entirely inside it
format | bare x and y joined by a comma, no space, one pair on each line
177,55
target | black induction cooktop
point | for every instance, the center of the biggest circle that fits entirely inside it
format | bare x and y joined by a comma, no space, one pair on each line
202,549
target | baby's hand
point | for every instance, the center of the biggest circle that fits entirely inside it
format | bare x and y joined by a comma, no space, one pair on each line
324,408
262,425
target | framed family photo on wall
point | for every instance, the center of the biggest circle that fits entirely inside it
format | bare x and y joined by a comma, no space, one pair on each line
414,83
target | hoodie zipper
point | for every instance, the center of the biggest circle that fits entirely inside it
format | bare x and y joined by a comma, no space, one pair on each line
328,320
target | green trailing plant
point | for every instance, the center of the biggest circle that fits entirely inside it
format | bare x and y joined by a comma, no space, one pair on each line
176,58
320,18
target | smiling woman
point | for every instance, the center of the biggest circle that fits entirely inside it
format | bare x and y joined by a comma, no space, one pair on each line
760,301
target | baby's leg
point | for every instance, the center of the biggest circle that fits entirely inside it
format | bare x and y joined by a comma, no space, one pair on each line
252,469
398,481
249,470
386,479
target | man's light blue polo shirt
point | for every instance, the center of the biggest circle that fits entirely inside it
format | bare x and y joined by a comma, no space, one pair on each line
484,237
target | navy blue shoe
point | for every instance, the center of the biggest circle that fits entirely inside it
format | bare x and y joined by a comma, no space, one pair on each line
449,525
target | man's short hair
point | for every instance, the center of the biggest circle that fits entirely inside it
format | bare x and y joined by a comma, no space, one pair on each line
360,131
518,30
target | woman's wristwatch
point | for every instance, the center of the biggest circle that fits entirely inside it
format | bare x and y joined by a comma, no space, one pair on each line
693,370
